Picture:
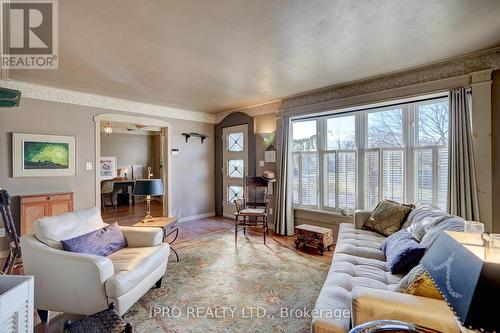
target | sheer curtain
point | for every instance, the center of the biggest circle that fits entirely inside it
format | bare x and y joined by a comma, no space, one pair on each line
462,198
284,224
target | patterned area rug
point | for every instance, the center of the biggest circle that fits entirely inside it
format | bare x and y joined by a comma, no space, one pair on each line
220,287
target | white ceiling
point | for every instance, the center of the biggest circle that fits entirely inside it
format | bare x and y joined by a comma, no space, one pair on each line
221,54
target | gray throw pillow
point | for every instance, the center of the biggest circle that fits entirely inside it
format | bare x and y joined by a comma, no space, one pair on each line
423,219
387,217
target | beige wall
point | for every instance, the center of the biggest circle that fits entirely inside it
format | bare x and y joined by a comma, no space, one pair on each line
495,131
265,123
192,170
129,149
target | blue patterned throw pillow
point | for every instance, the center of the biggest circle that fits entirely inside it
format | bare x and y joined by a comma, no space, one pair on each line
101,242
402,252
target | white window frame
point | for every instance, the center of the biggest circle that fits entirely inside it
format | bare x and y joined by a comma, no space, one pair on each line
409,146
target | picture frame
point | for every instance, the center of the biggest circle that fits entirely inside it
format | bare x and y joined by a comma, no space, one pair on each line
43,155
107,167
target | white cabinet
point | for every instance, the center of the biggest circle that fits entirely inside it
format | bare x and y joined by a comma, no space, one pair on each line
16,303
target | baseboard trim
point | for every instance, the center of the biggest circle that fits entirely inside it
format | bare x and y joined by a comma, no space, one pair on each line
229,216
196,217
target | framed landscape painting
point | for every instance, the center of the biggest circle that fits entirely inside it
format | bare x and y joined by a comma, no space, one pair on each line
41,155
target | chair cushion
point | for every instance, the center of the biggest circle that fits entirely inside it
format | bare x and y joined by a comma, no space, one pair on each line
402,252
53,229
252,211
132,265
388,217
101,242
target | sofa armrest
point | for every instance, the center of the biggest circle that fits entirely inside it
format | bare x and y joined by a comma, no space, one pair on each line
374,304
66,281
360,217
142,236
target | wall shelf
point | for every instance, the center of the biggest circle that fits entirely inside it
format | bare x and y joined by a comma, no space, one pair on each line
195,135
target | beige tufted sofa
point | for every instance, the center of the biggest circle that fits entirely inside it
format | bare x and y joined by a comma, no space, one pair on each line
359,288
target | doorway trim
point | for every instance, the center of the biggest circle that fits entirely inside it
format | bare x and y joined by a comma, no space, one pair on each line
145,121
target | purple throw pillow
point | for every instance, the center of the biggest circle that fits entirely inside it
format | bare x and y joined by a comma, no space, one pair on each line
101,242
402,252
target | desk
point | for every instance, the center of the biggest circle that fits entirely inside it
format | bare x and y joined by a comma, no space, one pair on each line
169,225
125,184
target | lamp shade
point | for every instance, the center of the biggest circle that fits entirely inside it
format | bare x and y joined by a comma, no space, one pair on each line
148,187
467,274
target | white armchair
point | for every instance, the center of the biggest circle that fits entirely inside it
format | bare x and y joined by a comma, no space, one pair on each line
86,284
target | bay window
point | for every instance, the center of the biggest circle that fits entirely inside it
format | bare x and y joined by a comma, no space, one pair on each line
353,160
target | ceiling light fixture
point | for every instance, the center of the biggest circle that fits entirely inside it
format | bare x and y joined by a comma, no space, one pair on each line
108,129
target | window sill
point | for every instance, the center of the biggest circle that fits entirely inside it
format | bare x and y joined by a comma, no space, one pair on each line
313,216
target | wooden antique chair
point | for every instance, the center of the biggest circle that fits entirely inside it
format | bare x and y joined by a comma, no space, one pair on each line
107,190
252,209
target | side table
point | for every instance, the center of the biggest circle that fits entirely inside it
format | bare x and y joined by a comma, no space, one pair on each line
169,225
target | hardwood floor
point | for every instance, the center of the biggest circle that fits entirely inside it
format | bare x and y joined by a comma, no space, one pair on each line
128,215
187,232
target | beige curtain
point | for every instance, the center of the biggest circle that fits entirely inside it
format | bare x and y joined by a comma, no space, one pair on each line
284,224
462,194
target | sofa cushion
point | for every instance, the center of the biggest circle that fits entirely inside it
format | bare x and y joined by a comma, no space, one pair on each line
362,243
52,230
132,265
388,217
402,252
101,242
451,223
423,218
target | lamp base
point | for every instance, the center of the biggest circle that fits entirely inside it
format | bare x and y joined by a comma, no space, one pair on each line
147,218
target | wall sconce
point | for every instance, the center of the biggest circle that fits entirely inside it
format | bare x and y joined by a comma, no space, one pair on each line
108,129
270,153
268,138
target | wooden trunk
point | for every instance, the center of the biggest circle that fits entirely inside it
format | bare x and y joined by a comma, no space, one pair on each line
317,237
34,206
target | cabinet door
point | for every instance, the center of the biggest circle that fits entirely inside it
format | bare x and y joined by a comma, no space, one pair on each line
61,207
32,212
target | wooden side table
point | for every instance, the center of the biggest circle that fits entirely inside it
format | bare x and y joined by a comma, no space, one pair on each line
169,225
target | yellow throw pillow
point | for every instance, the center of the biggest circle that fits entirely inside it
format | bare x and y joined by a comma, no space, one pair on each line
417,282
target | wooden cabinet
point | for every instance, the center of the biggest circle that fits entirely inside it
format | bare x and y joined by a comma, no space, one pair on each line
34,206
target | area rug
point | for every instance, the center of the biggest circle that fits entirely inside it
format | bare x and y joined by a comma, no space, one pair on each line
222,287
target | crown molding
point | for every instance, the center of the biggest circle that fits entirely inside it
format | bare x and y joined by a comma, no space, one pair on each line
425,77
52,94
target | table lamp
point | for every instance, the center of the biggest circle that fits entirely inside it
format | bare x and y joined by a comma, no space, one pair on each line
466,271
148,188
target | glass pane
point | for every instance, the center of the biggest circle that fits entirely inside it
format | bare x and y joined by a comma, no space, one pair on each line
423,175
304,135
235,141
330,182
433,124
234,192
371,177
235,169
341,133
347,180
295,178
309,181
393,179
385,129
